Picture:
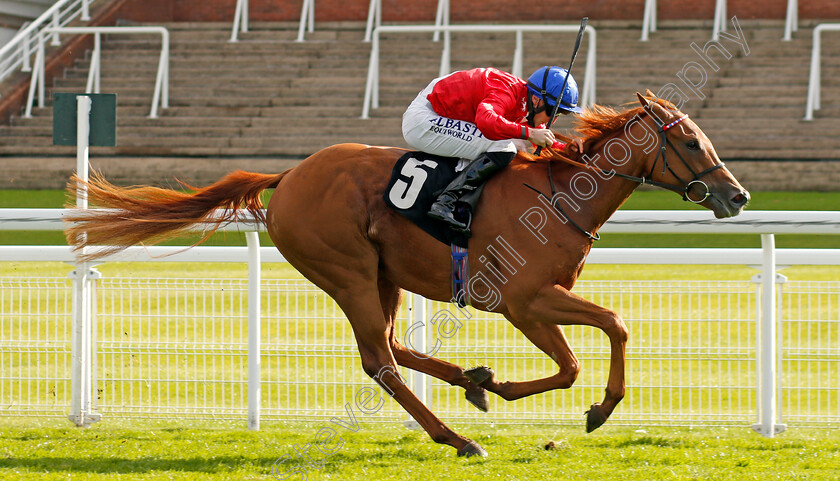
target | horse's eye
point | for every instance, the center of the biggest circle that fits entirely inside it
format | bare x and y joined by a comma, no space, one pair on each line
693,145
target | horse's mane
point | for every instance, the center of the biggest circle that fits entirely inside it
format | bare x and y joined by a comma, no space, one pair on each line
599,122
595,124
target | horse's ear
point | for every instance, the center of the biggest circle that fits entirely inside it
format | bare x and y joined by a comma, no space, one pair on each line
648,93
643,100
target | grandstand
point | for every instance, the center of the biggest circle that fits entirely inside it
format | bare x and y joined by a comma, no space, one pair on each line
267,101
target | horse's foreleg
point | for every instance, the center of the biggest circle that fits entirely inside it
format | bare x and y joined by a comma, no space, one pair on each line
549,339
555,305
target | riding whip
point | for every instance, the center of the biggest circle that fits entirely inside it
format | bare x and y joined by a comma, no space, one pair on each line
566,80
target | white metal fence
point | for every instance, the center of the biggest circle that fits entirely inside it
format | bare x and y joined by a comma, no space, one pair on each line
307,18
809,365
371,99
179,348
701,352
813,102
719,23
17,52
160,95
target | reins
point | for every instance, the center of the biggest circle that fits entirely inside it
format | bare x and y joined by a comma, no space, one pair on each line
663,145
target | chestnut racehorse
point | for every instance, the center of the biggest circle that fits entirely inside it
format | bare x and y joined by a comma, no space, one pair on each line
328,218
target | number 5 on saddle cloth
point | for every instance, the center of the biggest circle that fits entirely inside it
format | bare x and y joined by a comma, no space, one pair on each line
416,181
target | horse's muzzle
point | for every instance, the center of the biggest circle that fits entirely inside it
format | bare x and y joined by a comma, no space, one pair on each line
730,203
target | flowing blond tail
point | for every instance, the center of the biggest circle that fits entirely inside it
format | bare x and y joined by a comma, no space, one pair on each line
131,215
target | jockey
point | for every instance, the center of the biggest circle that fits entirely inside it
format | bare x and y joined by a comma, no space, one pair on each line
484,115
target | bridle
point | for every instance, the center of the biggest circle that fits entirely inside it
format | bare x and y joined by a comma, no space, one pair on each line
664,142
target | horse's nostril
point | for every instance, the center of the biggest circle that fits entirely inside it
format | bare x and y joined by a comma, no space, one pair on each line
741,199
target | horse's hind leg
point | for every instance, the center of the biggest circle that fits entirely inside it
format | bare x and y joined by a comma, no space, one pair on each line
391,296
362,307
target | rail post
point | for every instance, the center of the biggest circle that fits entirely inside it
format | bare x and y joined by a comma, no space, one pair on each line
648,20
94,75
307,19
25,53
791,19
720,19
516,68
419,384
441,18
768,349
81,406
254,293
813,102
36,80
240,20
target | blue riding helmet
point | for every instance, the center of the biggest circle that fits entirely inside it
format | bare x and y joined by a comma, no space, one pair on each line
546,82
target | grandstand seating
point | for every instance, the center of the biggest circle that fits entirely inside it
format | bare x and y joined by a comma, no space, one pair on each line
266,102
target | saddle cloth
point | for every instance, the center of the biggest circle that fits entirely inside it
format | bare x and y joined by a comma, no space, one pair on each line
415,183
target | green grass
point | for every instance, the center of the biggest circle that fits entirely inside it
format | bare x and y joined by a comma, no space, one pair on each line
641,200
224,451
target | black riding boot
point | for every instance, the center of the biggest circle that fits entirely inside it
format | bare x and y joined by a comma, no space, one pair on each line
472,177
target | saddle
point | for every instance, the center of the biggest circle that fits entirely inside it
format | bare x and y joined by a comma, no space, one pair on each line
416,181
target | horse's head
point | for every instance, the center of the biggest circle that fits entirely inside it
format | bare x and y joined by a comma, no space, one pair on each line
686,162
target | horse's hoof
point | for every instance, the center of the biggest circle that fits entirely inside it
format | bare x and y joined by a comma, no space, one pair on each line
594,418
479,374
477,396
472,449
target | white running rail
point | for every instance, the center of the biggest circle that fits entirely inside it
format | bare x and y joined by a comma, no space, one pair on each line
372,87
160,97
623,221
17,52
813,102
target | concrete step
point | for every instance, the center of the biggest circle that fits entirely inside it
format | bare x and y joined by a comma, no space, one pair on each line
265,95
186,113
782,154
299,150
777,143
318,78
286,127
758,112
142,121
236,92
145,132
223,70
129,140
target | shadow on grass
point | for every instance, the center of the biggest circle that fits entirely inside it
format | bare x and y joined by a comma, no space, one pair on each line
118,465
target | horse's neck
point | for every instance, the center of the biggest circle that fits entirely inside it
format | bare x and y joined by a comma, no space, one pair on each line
611,191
